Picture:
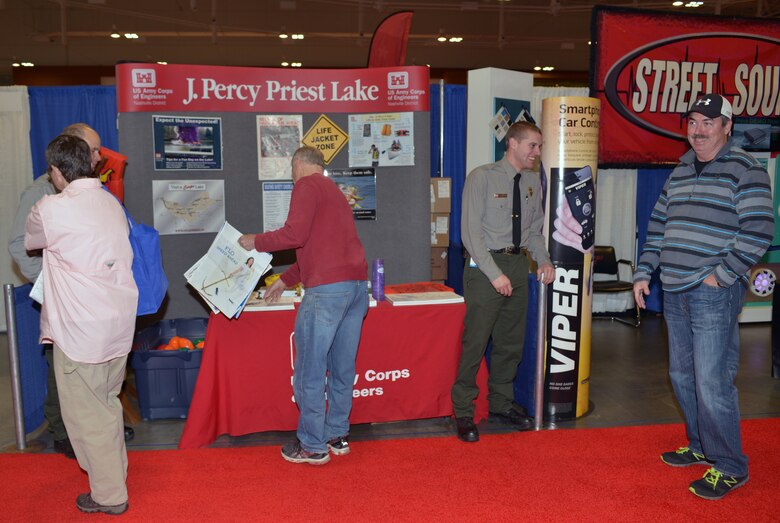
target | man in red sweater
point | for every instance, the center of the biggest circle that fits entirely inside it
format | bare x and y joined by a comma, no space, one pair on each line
331,264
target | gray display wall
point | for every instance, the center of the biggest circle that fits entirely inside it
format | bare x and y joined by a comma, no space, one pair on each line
400,234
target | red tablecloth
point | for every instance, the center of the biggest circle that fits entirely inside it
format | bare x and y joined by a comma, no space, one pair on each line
406,364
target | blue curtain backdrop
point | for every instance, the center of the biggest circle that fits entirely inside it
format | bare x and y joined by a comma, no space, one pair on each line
454,167
51,110
54,108
650,182
33,366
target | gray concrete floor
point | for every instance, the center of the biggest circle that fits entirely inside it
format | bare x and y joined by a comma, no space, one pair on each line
629,386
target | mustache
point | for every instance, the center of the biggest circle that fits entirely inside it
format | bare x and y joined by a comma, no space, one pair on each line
699,136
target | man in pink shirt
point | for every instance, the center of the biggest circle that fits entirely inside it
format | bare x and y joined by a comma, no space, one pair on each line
331,264
88,314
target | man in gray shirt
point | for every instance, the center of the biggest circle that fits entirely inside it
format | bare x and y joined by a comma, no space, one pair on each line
495,280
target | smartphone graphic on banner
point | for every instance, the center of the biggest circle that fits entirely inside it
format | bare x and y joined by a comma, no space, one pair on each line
580,194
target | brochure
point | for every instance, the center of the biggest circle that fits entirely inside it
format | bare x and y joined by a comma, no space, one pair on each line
227,274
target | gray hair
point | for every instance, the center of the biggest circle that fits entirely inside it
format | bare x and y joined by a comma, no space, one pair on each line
309,155
71,155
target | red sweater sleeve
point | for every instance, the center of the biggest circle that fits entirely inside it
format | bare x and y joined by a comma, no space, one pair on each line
296,230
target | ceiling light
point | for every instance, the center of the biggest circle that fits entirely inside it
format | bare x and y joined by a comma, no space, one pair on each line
442,39
28,64
131,36
283,35
296,64
115,35
456,39
297,36
16,64
163,63
538,68
285,64
548,68
677,4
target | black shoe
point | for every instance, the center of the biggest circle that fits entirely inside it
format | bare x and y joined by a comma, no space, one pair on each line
63,446
467,431
512,417
684,457
129,433
85,503
715,484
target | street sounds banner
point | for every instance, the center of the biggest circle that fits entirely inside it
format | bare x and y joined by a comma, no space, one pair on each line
649,67
570,128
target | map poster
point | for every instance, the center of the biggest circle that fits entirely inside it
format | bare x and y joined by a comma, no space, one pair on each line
188,206
385,139
359,188
276,204
278,137
187,143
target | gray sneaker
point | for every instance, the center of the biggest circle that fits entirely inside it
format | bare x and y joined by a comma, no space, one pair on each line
85,503
684,457
339,446
295,453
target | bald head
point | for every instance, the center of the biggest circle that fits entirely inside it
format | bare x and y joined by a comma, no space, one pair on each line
89,135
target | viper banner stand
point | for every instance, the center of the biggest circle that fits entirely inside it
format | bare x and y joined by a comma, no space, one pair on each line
570,127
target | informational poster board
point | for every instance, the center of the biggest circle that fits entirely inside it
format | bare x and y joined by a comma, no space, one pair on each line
392,205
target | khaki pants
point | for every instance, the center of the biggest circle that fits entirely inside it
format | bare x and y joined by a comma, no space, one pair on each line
93,418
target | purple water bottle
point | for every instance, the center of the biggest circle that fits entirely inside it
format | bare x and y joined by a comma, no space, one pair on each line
378,279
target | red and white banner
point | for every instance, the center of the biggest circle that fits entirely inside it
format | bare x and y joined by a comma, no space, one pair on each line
204,88
649,67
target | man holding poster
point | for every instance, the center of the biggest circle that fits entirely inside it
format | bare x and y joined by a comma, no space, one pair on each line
712,222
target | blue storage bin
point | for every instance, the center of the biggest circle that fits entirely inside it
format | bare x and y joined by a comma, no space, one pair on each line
165,380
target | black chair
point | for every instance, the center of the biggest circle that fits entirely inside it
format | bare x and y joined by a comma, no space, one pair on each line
604,262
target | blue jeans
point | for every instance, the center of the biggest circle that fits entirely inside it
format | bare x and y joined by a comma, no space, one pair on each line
703,362
327,333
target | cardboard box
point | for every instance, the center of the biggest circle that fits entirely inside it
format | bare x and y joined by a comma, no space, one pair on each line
438,263
165,379
441,195
440,229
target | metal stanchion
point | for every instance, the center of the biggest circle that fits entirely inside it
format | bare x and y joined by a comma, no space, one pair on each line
541,335
13,358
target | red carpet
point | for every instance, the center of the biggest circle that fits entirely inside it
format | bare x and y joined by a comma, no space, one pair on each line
564,475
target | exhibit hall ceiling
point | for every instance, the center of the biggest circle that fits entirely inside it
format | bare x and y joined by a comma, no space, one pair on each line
509,34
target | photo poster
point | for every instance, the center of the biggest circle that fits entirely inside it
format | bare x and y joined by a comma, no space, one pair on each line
379,140
188,206
278,137
187,143
359,188
276,204
506,112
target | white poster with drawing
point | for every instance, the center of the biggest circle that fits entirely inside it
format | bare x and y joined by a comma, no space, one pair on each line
385,139
227,274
